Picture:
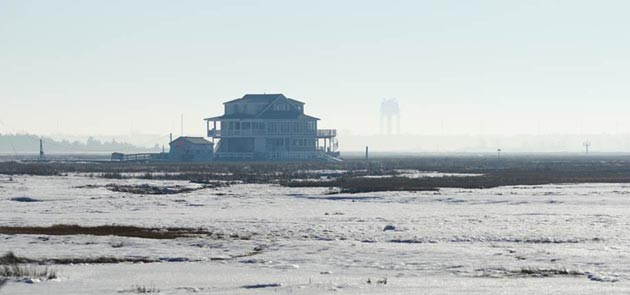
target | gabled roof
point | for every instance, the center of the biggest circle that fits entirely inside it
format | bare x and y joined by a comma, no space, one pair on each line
295,101
285,115
261,98
256,98
268,100
193,140
231,116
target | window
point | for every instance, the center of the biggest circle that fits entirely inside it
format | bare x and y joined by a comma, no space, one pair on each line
300,142
273,127
259,125
282,107
285,127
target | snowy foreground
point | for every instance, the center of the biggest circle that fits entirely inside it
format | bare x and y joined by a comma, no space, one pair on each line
554,239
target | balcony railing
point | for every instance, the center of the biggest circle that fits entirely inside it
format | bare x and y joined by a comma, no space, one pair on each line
326,133
263,132
234,156
214,133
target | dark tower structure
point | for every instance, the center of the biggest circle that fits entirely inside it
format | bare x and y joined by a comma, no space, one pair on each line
42,157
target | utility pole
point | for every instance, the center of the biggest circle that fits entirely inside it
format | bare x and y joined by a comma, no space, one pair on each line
42,157
367,159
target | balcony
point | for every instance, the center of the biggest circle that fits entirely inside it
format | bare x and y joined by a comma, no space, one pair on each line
234,156
326,133
214,133
241,132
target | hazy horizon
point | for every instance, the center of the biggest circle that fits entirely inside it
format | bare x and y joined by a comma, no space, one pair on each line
457,68
403,143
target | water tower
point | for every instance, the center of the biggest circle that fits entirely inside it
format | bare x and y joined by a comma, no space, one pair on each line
390,111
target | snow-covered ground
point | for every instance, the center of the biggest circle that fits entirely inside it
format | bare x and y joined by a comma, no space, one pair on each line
505,240
409,173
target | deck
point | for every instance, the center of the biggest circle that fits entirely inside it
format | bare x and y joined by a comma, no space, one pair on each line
217,133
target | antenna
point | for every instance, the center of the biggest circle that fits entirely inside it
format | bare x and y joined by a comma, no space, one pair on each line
182,126
499,154
587,145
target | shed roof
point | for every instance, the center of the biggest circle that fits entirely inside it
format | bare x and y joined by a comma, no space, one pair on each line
192,140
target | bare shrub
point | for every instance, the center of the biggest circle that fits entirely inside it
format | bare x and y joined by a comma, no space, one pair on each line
104,230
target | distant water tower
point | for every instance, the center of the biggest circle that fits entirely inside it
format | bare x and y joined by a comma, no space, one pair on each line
390,110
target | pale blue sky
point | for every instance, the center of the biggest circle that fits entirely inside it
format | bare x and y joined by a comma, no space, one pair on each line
503,67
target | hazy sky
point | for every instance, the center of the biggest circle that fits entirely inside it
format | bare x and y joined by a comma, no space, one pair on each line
457,67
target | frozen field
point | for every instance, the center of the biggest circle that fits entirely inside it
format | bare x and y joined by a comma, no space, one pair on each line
555,239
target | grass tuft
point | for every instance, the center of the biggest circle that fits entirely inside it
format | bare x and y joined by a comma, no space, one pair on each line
141,290
27,271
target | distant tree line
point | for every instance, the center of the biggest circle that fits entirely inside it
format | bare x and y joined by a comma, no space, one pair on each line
28,143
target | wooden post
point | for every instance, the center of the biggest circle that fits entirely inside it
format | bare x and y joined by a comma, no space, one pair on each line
367,159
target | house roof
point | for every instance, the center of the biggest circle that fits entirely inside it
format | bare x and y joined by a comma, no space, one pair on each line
295,101
261,98
285,115
266,112
231,116
193,140
256,98
274,115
